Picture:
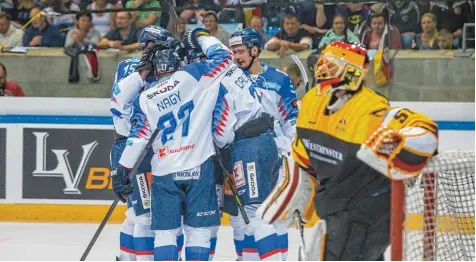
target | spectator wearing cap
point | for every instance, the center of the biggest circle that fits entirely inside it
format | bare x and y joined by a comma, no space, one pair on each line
428,38
125,36
41,33
10,36
356,16
210,21
8,88
256,23
339,32
84,33
290,37
452,17
381,35
144,18
405,15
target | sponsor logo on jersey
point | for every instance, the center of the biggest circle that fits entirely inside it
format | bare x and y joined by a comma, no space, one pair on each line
143,190
239,174
330,154
252,182
207,213
161,90
165,151
116,90
231,70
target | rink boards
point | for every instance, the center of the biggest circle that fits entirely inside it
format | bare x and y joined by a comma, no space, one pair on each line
54,155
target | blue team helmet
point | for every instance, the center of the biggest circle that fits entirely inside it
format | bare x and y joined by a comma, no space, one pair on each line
153,34
166,61
248,37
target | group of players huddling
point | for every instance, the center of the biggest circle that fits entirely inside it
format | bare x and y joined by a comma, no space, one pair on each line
213,106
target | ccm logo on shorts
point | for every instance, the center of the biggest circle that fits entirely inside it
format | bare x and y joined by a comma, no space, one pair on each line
206,213
143,190
252,182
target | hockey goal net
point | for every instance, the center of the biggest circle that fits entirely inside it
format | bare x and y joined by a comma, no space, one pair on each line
433,214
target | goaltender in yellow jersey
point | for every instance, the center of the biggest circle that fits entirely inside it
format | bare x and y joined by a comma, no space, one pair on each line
350,142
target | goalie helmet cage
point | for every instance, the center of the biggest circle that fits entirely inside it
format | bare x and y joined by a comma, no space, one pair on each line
432,215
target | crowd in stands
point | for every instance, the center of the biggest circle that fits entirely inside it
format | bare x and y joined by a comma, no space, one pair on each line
303,25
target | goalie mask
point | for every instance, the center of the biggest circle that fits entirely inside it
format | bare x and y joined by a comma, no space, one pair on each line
342,65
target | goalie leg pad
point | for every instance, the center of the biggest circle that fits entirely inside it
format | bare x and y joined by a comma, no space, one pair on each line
126,239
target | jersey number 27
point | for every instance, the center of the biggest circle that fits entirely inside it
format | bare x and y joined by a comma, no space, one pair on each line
169,122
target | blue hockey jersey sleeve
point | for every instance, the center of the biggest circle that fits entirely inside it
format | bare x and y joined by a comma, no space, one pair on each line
138,136
287,106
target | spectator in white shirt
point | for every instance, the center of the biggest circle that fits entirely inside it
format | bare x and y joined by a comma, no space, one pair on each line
9,35
84,33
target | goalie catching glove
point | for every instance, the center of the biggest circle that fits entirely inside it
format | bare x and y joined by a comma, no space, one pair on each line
295,192
399,154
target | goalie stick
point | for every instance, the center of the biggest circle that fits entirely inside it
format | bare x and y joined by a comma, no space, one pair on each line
114,204
302,69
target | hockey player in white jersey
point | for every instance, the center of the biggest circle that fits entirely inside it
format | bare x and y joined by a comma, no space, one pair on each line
279,100
181,106
136,239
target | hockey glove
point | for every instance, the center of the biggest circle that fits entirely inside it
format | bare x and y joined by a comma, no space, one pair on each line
190,38
146,61
121,184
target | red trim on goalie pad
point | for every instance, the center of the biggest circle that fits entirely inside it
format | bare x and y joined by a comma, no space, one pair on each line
294,185
271,253
127,250
407,167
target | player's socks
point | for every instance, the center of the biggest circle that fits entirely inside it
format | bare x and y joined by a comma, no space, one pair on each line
165,245
126,239
250,249
180,241
213,243
143,239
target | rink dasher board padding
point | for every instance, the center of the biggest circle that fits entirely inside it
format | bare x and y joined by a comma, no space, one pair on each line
55,165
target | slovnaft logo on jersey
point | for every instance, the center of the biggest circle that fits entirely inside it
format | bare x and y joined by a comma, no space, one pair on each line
67,164
3,170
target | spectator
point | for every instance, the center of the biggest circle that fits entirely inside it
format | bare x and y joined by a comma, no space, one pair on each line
7,6
339,32
428,38
445,39
290,37
356,16
10,36
325,16
257,24
181,27
41,33
24,9
8,88
103,22
452,18
405,15
308,13
210,21
62,22
294,74
85,33
381,34
125,36
145,18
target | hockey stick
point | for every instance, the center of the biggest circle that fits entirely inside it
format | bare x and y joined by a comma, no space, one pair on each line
302,244
172,15
232,187
114,204
302,69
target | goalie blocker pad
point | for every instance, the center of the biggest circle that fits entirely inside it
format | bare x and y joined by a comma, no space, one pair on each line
295,192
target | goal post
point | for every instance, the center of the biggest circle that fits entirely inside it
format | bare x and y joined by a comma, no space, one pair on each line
432,215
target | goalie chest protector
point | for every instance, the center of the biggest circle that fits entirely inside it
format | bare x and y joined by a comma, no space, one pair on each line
332,141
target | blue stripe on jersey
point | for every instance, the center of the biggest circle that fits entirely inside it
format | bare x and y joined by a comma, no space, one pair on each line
106,120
